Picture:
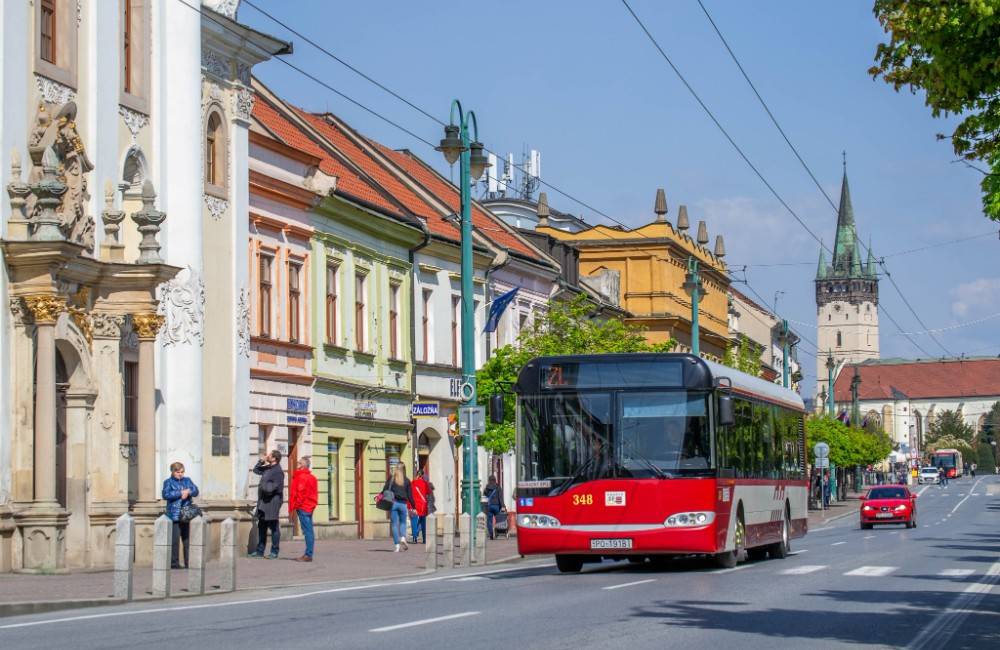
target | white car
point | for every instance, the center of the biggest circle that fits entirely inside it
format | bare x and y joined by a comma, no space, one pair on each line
928,475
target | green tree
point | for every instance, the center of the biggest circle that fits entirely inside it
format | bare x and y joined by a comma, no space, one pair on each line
567,327
744,356
849,446
949,431
949,50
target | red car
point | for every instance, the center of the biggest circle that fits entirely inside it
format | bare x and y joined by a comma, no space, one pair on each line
889,504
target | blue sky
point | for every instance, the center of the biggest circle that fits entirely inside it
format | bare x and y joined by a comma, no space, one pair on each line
581,83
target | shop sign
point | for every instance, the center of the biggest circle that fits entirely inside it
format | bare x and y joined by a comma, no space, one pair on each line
425,409
365,409
297,411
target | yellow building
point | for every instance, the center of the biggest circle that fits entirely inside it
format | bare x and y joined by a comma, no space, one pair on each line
651,263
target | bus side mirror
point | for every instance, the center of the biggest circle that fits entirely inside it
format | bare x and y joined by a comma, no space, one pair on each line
496,408
726,416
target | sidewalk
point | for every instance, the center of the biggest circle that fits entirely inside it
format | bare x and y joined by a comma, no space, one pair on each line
333,560
838,510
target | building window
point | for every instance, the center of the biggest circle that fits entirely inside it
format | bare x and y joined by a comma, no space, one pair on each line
840,340
127,64
135,31
213,150
359,312
393,321
262,431
456,310
47,31
264,296
220,436
294,301
331,304
131,394
425,325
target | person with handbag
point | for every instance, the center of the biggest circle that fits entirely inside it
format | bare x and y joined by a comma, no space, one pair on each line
178,491
494,502
398,488
418,516
270,496
303,495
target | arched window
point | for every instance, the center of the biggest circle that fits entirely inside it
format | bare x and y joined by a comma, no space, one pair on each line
840,340
214,152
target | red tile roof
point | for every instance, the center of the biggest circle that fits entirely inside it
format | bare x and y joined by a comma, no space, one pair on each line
348,182
921,379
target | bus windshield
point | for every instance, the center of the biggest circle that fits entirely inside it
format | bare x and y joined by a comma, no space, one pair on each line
944,460
569,437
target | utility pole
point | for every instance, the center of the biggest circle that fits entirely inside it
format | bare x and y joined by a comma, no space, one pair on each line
855,405
785,380
830,364
695,289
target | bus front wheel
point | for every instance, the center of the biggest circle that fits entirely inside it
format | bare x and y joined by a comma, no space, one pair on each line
569,563
730,559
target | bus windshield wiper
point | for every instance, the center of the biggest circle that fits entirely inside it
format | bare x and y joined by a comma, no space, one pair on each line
634,455
576,476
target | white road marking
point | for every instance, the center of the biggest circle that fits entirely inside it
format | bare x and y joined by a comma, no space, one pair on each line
946,624
869,537
628,584
959,504
837,543
426,621
799,552
735,568
872,571
957,573
468,578
254,601
804,569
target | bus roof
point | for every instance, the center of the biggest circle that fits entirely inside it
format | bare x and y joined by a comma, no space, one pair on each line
757,387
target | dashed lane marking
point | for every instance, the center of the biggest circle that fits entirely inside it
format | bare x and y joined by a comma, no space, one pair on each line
468,578
735,568
628,584
869,537
957,573
871,571
837,543
425,621
804,569
943,627
959,504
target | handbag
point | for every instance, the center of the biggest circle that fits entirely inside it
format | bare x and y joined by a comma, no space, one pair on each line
190,511
384,500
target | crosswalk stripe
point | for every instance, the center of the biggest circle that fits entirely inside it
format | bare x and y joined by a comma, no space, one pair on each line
957,573
804,569
871,571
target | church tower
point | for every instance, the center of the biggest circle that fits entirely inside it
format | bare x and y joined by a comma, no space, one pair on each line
846,300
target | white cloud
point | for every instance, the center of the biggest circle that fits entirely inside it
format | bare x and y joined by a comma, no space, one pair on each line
975,298
755,231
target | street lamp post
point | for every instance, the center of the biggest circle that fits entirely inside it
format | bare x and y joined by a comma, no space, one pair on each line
458,146
695,289
784,354
830,364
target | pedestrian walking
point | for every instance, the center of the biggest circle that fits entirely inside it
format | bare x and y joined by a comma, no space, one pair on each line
270,496
402,503
418,516
178,491
973,470
826,489
303,495
942,477
494,502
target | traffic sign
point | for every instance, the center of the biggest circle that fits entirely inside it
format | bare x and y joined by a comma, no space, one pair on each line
822,463
821,449
472,418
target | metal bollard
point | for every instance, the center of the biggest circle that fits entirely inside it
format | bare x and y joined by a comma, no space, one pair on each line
227,555
464,550
162,532
449,541
124,556
197,555
430,548
479,557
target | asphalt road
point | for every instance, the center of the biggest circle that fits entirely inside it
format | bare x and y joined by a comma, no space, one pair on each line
933,587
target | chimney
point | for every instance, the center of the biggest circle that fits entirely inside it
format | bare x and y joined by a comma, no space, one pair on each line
682,218
660,208
543,210
720,247
702,233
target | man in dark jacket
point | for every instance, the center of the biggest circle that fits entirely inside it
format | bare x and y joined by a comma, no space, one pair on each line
270,496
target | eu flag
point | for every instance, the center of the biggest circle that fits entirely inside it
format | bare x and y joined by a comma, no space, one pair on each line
497,309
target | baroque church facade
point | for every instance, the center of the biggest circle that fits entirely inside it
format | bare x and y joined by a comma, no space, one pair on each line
125,123
846,301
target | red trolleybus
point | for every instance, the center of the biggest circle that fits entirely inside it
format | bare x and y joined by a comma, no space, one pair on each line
645,455
950,460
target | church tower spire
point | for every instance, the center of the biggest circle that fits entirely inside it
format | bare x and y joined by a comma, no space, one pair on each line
846,296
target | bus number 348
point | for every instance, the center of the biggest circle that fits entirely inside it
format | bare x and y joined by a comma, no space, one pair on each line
583,499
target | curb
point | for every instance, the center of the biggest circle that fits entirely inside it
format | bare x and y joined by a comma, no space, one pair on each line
45,606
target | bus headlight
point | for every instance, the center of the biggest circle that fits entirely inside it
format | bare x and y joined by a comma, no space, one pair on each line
689,519
537,521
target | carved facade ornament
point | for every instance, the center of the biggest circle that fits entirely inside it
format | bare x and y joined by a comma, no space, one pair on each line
243,73
227,8
130,340
243,323
216,206
53,92
83,322
182,304
147,221
19,311
107,326
215,63
147,325
134,120
45,308
243,100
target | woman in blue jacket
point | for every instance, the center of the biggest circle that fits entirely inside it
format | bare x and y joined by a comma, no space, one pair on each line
178,490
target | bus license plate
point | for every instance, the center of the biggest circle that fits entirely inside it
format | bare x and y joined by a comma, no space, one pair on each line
610,543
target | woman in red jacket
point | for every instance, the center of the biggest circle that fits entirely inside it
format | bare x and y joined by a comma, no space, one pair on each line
303,494
418,516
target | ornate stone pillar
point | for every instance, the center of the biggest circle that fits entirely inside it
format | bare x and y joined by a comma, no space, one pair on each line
43,525
147,508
